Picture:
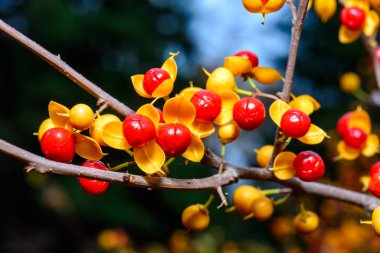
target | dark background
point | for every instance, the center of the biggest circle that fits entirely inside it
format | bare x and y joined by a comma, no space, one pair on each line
107,42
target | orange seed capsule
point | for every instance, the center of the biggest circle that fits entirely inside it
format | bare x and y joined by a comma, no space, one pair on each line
306,222
228,133
196,217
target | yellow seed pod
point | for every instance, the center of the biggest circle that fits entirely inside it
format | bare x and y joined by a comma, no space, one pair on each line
220,79
306,222
375,4
237,65
283,165
262,208
265,75
263,6
346,35
228,132
48,124
196,217
112,239
243,197
81,116
349,82
305,103
44,126
376,220
96,129
325,9
371,24
263,155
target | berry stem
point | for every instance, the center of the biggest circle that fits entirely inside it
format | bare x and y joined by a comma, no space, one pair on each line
129,152
169,161
276,191
281,200
253,85
120,166
360,95
209,201
248,216
243,92
367,222
154,100
206,72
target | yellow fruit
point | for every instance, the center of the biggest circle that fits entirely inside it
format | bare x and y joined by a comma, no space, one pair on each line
325,9
376,220
243,198
264,7
81,116
96,129
263,155
262,208
220,79
47,124
196,217
265,75
237,65
350,82
228,133
306,222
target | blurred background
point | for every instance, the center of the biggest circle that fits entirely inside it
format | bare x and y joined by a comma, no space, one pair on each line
109,41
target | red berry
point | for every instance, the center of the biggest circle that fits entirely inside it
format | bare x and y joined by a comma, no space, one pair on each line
309,166
374,185
355,138
57,144
295,123
138,130
375,168
342,124
173,138
249,56
207,104
377,54
153,78
249,113
93,186
352,17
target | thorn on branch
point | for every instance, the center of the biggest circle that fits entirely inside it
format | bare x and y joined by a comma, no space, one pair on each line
222,197
128,178
30,167
102,103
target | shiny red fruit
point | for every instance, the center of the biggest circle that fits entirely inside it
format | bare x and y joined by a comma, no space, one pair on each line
309,166
93,186
295,123
377,53
138,130
173,138
342,124
249,113
352,17
355,138
208,105
153,78
374,185
375,168
249,56
57,144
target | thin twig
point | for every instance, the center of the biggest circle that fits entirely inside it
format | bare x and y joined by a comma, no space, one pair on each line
290,68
